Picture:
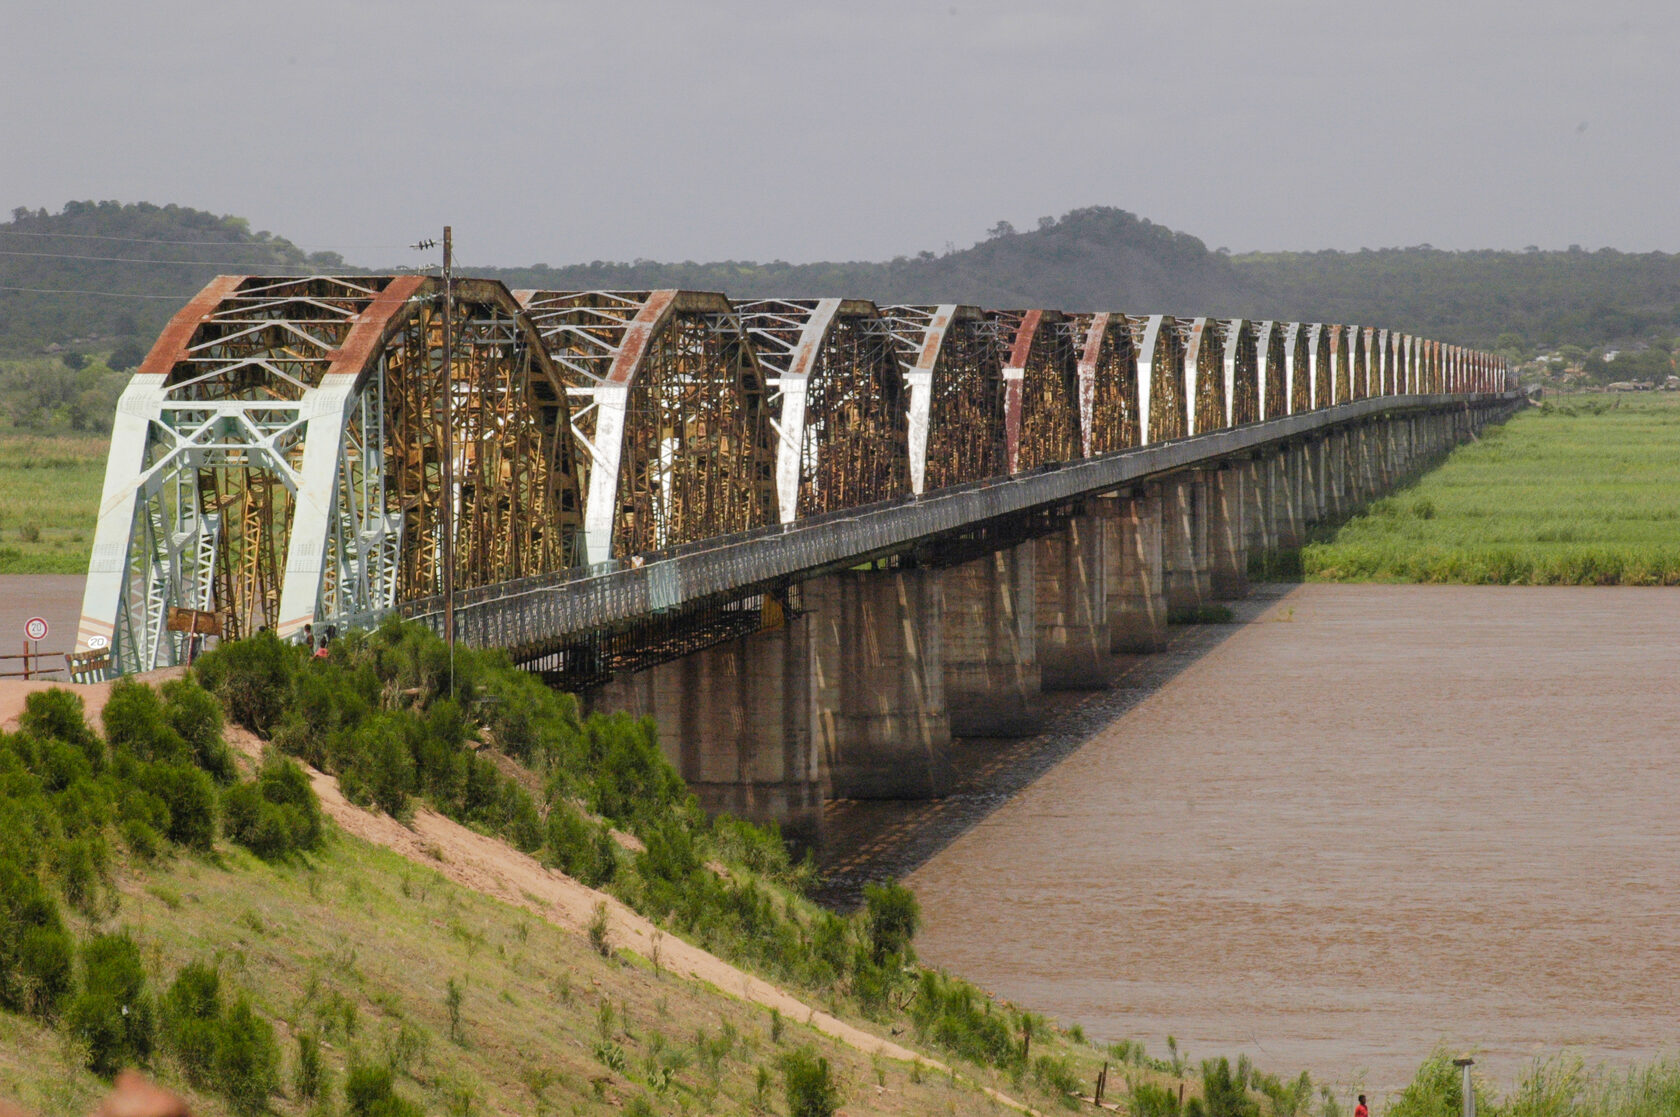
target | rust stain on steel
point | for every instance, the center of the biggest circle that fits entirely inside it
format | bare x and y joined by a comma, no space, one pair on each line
1090,352
639,335
171,345
368,335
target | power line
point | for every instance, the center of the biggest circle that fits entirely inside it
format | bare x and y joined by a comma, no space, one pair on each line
105,294
221,243
139,260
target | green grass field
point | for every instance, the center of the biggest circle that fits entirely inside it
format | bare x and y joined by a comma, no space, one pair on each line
49,499
1584,491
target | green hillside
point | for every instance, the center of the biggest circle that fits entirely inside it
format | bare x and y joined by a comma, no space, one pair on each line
144,259
97,275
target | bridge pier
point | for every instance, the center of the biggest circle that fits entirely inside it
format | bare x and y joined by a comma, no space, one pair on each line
735,721
1132,570
1227,531
1184,545
1284,494
1072,633
880,726
990,656
1259,529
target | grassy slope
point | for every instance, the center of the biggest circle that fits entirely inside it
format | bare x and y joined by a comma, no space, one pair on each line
50,483
1586,491
359,925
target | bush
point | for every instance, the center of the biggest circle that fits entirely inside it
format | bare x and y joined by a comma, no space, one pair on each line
893,917
136,724
190,1013
275,814
368,1093
247,1062
112,1017
573,847
35,949
811,1091
196,717
58,715
190,798
251,678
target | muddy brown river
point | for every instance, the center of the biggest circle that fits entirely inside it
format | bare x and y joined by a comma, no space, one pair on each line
1374,819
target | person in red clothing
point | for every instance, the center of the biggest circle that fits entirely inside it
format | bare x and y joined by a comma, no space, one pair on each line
1360,1110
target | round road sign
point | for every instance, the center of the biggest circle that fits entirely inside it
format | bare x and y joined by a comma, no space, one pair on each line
95,643
35,628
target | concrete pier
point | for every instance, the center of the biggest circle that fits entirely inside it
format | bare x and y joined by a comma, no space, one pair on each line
1137,602
1184,546
735,721
880,724
1227,533
1072,634
990,659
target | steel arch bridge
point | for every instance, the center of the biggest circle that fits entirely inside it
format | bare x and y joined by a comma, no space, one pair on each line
278,458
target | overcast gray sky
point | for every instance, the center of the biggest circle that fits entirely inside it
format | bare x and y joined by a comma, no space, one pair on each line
561,132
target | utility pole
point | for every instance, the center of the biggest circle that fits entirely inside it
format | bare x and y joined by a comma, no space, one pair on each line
449,448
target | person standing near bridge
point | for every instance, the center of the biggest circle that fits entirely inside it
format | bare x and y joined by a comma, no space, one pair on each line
1360,1110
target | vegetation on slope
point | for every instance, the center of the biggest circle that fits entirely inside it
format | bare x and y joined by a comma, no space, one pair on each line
1583,492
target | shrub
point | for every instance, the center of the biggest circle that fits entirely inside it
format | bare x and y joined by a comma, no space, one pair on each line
275,814
893,916
573,848
251,677
196,717
57,715
247,1063
368,1093
136,724
190,798
811,1090
309,1076
35,949
190,1013
112,1016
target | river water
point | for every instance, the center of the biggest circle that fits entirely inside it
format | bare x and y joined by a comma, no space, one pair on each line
1374,819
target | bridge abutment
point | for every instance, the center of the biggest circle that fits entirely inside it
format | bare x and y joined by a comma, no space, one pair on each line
990,655
735,721
879,723
1072,608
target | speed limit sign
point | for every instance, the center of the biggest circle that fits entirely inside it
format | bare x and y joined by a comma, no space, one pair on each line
35,628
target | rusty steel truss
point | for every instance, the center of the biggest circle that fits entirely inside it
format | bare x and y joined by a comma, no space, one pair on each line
839,401
278,459
674,415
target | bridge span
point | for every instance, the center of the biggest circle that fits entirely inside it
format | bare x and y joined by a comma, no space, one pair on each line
815,537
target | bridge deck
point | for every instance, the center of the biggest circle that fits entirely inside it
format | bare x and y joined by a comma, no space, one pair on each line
534,614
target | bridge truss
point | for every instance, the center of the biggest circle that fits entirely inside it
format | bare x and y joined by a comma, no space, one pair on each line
278,458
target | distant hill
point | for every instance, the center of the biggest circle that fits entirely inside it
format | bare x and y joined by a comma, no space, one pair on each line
111,249
1097,257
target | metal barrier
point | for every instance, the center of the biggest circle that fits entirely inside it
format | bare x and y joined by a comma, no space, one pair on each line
531,612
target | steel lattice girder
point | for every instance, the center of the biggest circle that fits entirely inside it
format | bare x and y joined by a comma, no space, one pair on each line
1041,387
842,421
1242,373
675,416
1204,374
956,393
258,466
1272,361
1162,400
1108,383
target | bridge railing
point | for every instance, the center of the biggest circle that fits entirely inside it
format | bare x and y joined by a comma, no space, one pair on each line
533,612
